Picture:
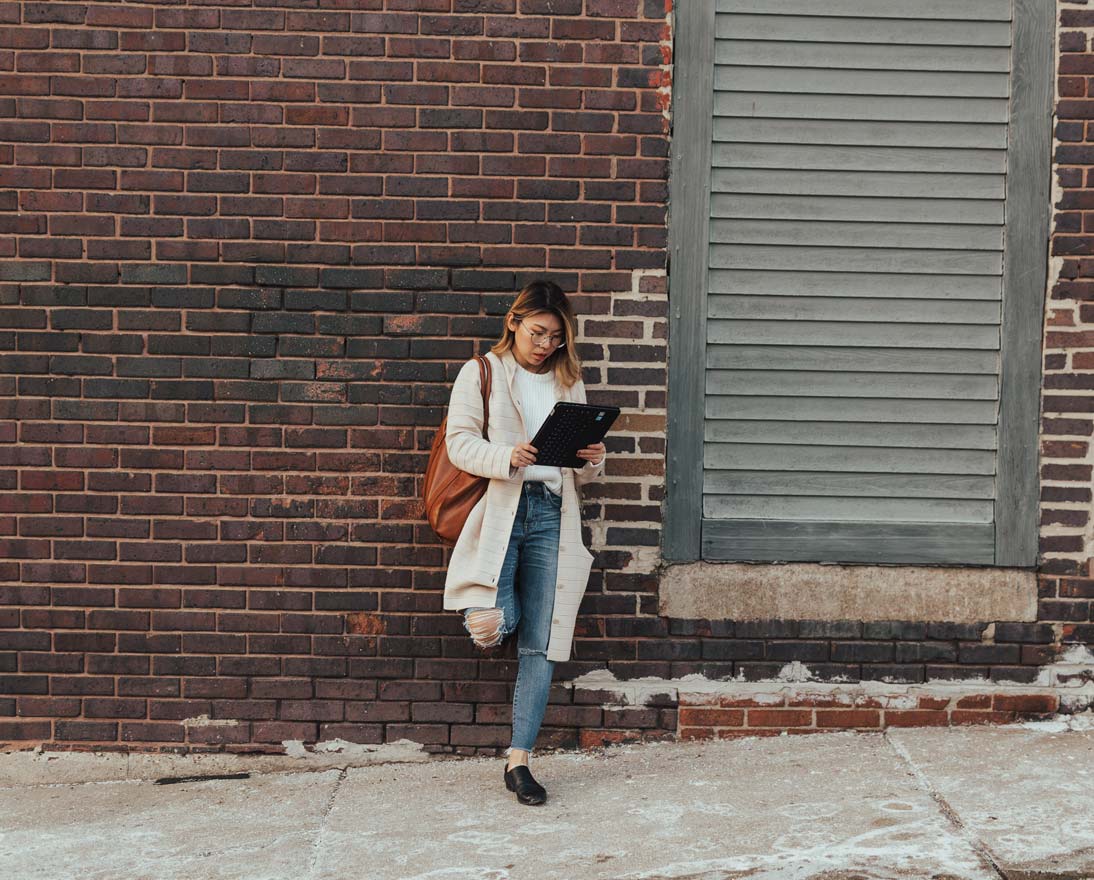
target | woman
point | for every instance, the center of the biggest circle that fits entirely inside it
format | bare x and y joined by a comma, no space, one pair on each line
520,563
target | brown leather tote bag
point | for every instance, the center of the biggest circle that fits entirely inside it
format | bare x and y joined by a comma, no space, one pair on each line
447,492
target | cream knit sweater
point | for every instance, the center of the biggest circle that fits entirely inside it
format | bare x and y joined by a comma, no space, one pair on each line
537,397
477,558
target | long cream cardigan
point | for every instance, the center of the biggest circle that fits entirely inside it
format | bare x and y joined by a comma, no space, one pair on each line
475,566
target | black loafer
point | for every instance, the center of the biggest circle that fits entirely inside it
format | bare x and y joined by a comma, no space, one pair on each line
520,780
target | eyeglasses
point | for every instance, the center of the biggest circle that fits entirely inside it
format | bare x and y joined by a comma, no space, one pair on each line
555,340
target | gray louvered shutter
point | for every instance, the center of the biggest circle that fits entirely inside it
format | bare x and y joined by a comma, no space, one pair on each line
858,180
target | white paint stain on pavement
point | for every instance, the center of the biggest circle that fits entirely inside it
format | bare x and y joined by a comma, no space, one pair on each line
783,808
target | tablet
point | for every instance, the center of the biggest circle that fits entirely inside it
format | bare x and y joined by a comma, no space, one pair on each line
570,427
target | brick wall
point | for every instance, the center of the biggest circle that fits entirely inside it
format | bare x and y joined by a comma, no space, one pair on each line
1067,541
246,249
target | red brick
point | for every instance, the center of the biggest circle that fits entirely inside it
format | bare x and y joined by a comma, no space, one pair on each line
1022,704
590,738
86,731
48,707
356,733
916,718
779,718
744,733
279,731
764,702
25,730
697,717
814,700
975,701
856,718
145,732
934,702
218,734
961,716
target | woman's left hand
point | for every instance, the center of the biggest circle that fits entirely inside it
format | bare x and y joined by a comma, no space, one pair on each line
593,453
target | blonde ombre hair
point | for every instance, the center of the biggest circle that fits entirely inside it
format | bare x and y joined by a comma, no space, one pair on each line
534,299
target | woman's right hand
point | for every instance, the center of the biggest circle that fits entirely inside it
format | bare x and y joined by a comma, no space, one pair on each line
523,455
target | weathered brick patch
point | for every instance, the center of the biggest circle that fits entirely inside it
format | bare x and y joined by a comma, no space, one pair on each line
796,711
791,703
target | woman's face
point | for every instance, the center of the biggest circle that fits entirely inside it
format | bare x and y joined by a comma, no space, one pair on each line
540,326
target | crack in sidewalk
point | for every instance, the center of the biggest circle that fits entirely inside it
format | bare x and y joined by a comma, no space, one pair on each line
317,845
982,850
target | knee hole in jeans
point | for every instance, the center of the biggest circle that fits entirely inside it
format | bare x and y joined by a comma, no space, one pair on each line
485,626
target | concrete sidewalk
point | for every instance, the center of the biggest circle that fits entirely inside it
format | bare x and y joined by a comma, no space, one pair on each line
980,803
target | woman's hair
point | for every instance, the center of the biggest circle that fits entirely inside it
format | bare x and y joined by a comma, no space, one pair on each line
534,299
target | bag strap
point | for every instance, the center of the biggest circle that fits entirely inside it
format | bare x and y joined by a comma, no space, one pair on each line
485,379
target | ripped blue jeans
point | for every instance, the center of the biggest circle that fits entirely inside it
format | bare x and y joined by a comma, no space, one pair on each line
526,597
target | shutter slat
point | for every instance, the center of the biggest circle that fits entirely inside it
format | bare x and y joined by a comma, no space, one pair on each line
847,459
778,282
921,386
865,158
849,132
861,259
884,31
817,308
857,183
876,360
863,210
972,10
924,510
833,234
738,78
862,56
773,105
850,434
842,332
806,483
827,409
725,487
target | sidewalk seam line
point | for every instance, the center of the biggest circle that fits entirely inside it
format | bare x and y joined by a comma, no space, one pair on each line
979,847
342,772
